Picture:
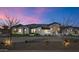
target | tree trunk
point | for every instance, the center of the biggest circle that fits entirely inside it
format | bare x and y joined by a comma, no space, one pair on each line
10,34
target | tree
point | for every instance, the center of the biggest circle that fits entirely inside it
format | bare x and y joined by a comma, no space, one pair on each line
10,22
68,21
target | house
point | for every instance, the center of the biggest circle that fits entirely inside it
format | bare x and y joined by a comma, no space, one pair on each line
67,30
41,29
55,28
34,28
76,30
20,29
45,29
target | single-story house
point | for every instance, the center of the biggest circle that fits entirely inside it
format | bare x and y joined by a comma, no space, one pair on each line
42,29
45,29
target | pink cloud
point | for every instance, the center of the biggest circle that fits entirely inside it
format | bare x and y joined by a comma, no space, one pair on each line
2,17
29,19
18,13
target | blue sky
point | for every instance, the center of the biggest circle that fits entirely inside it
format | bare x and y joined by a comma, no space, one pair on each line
37,15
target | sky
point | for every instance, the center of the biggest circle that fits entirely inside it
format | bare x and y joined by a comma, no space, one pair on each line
42,15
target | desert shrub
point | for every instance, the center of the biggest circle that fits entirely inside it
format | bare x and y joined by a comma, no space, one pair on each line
26,41
75,41
45,35
46,42
26,34
19,35
36,34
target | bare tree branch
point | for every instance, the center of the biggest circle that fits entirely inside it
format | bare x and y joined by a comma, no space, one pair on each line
10,21
67,21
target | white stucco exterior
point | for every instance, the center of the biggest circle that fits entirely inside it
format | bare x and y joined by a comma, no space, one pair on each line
20,30
43,31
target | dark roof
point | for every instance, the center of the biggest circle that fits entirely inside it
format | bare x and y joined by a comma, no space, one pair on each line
54,23
76,27
63,27
36,25
31,25
19,25
45,27
66,27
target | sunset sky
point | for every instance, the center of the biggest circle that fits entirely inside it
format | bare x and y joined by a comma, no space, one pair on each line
39,15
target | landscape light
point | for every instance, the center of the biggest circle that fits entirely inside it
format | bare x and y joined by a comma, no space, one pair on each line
66,43
7,42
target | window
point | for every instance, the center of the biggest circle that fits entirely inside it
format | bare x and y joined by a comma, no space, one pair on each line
51,28
19,30
33,30
15,29
46,31
25,30
58,29
55,29
39,29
